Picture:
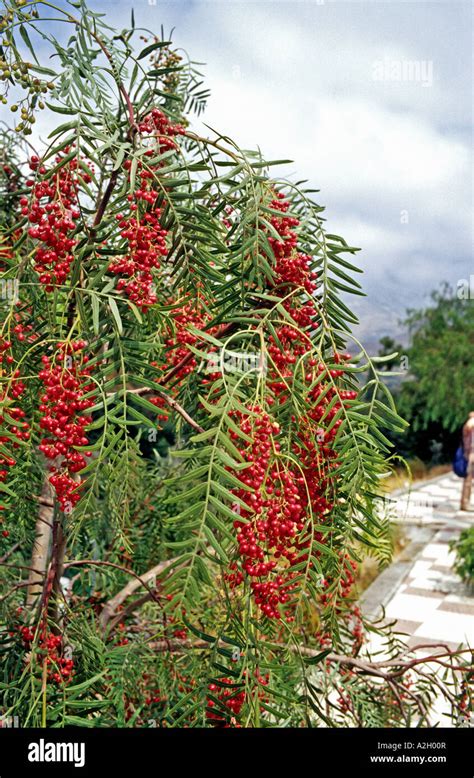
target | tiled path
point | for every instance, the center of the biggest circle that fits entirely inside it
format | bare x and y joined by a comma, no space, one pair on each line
432,604
428,601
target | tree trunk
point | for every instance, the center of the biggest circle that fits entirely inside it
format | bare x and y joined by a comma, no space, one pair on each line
40,554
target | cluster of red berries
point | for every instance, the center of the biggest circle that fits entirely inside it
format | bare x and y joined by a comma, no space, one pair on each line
231,701
312,446
66,381
157,699
177,339
357,628
146,243
292,269
332,596
294,281
145,237
7,358
231,697
162,129
267,527
465,703
27,635
59,669
274,532
345,701
53,211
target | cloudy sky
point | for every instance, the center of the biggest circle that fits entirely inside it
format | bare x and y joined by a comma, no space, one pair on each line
372,101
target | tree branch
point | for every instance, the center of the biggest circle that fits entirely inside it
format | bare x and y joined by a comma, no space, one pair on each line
110,608
9,552
170,401
364,667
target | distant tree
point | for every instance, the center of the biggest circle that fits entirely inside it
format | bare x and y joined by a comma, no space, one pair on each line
440,385
389,347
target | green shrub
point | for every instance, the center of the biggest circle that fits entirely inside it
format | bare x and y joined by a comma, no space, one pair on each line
464,549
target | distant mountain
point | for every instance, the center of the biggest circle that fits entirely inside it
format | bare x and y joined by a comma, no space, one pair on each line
377,319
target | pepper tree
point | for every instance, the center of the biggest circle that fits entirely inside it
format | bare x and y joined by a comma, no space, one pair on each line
190,469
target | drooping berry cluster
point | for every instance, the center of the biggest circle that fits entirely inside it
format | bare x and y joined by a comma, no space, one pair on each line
145,237
267,526
66,380
53,211
291,267
59,668
465,703
157,700
180,361
146,244
346,582
158,125
276,529
230,698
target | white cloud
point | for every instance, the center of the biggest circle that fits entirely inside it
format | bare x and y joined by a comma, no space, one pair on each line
343,143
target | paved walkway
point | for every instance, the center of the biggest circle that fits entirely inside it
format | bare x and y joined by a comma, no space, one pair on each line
432,604
420,592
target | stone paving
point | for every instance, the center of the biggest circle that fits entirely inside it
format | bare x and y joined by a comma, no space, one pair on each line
432,604
421,593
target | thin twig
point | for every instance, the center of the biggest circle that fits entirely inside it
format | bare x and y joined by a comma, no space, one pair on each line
9,552
110,607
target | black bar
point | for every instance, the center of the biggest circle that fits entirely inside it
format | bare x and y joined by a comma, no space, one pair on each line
113,753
